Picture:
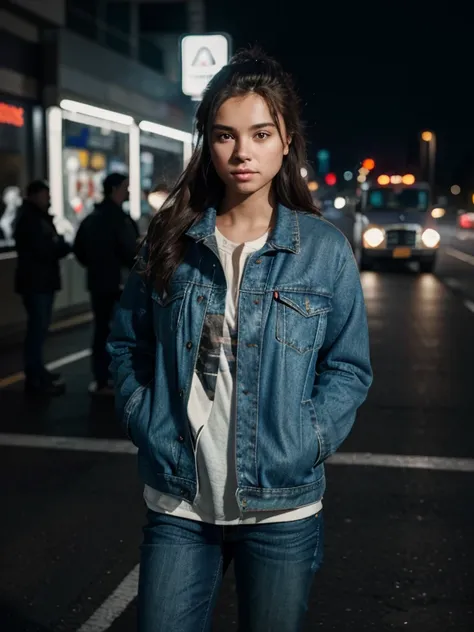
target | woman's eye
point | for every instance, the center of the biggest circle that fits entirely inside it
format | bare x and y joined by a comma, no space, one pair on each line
224,137
262,135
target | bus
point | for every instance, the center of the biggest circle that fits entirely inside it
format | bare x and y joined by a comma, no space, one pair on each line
393,222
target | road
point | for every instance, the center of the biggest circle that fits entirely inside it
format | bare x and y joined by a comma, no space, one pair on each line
398,509
456,267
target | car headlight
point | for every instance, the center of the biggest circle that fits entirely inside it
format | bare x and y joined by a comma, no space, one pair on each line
430,238
373,237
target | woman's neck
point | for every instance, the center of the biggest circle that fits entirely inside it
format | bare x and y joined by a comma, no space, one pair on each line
245,219
247,212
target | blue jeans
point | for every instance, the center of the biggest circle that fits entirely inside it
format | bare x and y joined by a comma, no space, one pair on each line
39,308
182,565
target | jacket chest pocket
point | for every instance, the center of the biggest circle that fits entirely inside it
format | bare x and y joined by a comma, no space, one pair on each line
301,319
169,308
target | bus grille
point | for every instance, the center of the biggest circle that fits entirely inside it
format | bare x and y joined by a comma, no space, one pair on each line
401,238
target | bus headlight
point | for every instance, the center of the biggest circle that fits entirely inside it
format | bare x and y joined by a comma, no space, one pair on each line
373,237
431,238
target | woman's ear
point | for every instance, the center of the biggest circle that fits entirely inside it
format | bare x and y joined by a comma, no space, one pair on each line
286,149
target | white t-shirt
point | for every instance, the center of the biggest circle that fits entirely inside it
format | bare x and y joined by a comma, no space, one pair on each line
211,413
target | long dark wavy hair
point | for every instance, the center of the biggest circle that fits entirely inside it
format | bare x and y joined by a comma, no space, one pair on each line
199,186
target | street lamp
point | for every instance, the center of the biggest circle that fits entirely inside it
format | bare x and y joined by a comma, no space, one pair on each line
428,141
369,164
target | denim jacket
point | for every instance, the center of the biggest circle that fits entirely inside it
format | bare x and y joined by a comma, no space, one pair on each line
302,361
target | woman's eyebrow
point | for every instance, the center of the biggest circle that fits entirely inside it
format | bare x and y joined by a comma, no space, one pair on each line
229,128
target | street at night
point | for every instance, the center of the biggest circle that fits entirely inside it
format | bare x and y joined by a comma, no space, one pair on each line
227,231
398,514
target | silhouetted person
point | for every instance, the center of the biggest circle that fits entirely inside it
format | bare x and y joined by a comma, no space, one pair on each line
105,244
37,279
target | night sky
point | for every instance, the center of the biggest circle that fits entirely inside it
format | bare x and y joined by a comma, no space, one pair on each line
369,84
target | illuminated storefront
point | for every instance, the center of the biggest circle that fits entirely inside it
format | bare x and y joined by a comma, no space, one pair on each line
86,142
163,153
89,153
15,122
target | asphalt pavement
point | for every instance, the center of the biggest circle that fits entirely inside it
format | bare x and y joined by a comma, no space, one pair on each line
399,508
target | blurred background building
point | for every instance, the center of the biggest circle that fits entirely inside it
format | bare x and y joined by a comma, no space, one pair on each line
78,78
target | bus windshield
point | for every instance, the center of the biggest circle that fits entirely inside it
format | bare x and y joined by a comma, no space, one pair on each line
397,199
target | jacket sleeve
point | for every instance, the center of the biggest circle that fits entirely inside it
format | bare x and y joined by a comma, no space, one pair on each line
132,343
80,243
127,242
41,240
344,374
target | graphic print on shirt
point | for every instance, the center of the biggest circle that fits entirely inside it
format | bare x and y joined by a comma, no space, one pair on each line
215,335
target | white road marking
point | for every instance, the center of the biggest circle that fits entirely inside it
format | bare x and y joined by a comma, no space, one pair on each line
123,446
454,283
470,305
458,254
8,255
67,323
81,444
114,605
440,463
69,359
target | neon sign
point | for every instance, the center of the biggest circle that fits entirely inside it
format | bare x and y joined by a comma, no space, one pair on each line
11,115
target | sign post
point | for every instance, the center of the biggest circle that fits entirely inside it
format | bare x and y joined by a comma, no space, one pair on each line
202,56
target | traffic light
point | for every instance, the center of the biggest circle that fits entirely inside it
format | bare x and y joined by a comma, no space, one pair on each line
369,164
330,179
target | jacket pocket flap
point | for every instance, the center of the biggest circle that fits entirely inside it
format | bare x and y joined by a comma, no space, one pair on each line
305,303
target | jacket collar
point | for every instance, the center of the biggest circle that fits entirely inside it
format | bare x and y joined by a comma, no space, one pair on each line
284,236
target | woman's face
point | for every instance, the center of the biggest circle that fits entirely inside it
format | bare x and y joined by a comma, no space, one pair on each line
246,148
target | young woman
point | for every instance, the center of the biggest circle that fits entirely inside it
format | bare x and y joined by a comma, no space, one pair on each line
240,354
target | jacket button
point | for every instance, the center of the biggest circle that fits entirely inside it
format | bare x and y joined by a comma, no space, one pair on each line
200,299
181,439
244,502
258,261
189,345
